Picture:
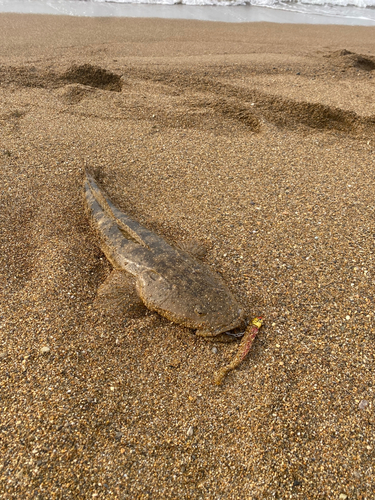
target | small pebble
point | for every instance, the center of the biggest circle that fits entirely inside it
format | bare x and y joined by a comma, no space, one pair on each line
343,496
118,436
363,404
190,431
214,350
45,350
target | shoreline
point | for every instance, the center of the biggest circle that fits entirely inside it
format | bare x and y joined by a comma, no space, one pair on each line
235,14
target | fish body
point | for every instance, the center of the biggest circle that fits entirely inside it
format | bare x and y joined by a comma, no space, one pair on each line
169,280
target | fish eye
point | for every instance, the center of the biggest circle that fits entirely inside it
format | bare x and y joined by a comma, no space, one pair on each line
153,275
199,310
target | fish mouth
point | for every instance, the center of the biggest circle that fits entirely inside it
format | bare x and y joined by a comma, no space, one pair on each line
237,333
236,328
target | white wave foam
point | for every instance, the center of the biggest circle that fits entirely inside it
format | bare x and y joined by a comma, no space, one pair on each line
343,12
292,4
224,3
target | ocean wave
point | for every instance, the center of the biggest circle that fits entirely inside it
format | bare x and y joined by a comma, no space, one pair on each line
283,4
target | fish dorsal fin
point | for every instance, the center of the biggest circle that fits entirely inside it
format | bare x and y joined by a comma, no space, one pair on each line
193,247
131,229
121,252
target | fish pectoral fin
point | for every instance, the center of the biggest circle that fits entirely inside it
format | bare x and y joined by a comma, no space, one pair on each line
193,247
117,294
212,337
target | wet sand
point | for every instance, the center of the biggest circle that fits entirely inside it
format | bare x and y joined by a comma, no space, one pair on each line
255,140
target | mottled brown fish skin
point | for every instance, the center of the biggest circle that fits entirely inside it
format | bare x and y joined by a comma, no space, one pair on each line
169,280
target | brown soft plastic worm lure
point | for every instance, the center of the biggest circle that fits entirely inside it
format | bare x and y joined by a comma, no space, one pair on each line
244,348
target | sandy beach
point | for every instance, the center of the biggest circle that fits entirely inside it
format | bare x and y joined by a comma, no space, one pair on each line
257,141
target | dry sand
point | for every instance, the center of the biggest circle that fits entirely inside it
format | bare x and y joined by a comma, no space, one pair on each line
256,140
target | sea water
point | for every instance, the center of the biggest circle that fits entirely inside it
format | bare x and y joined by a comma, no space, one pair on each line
350,12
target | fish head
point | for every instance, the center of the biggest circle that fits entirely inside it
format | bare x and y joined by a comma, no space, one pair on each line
201,301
